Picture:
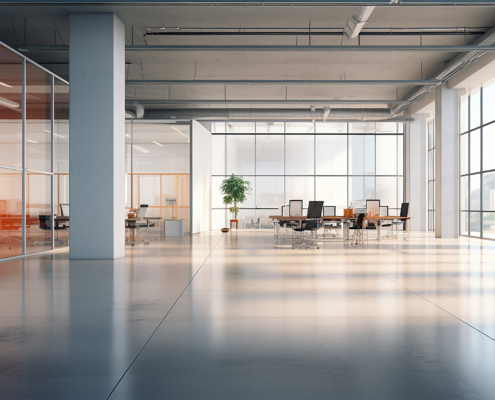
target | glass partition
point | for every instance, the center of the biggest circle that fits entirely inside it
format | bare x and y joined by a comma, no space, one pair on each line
307,161
27,180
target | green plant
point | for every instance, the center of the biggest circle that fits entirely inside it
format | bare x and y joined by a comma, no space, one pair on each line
235,190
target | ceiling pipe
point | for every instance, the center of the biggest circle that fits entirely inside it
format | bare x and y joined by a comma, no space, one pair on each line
268,114
282,48
285,82
357,21
457,64
281,101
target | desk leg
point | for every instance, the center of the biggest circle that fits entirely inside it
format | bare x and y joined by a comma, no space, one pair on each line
379,232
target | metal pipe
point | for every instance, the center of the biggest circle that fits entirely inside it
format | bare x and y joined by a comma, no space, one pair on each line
284,82
357,21
282,101
287,48
265,114
317,33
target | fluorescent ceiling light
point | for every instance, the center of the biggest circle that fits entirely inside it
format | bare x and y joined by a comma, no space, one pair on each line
158,144
5,85
8,103
173,127
55,134
127,135
31,141
139,148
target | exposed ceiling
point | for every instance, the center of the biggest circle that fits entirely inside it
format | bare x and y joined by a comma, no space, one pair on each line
48,25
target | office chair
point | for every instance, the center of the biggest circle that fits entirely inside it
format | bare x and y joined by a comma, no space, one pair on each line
373,207
330,211
140,223
359,229
46,225
404,212
64,210
311,224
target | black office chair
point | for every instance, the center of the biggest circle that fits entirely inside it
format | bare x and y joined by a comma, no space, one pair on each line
404,212
311,224
46,225
139,224
358,229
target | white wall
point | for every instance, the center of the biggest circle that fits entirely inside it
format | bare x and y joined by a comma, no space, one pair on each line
200,178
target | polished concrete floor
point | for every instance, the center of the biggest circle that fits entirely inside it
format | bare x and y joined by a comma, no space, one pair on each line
230,317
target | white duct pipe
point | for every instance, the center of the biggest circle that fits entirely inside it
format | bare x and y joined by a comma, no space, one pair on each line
357,21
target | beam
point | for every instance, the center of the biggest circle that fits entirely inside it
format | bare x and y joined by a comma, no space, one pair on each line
288,48
285,82
282,101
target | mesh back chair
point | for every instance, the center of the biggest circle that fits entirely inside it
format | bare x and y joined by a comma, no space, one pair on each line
358,229
295,208
64,210
330,211
312,222
140,223
373,206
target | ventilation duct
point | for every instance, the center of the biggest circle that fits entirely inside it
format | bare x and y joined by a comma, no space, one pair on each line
138,111
268,114
130,114
357,21
457,64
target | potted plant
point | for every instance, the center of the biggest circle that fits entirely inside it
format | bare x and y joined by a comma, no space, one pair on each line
235,190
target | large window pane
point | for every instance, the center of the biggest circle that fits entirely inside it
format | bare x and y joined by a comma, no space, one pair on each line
464,154
218,154
331,155
356,155
464,117
333,191
269,154
489,225
475,110
38,209
362,127
331,127
218,219
216,194
431,188
464,193
386,191
369,187
250,198
489,191
369,155
356,192
431,163
489,103
269,191
474,224
300,127
38,119
400,154
61,125
240,154
299,153
299,188
10,109
464,223
475,192
489,147
270,127
386,127
240,127
10,213
218,127
475,150
386,155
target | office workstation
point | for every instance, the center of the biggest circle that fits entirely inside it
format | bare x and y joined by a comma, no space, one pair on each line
256,200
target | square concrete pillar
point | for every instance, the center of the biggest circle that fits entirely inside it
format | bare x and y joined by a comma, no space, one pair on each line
97,136
446,162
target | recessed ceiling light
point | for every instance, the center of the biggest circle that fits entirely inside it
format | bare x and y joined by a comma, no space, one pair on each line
163,27
8,103
55,134
140,148
127,135
5,85
158,144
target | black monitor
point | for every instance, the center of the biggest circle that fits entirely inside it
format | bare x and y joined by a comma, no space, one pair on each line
314,209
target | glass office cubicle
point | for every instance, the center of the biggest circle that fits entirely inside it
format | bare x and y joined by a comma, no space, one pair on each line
341,163
31,98
158,168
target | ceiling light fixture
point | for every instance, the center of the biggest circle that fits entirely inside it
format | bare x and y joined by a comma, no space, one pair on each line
5,85
31,141
55,134
182,133
140,148
158,144
9,103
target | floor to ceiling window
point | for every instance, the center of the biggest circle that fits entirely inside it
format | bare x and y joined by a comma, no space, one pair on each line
340,163
31,98
431,175
477,164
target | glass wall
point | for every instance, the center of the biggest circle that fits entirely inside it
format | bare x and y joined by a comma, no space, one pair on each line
342,164
431,175
157,169
27,224
477,164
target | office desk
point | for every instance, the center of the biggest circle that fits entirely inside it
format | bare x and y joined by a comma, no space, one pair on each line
346,221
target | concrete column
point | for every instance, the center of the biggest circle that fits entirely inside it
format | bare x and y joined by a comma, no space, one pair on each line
97,136
416,172
446,162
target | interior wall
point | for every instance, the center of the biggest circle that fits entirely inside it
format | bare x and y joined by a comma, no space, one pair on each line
200,178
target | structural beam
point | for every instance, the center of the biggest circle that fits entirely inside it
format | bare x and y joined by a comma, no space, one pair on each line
195,101
285,82
283,48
